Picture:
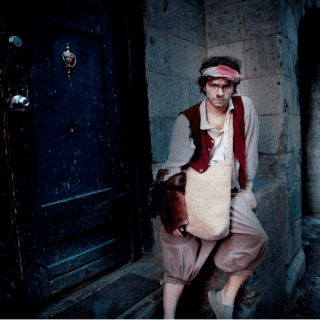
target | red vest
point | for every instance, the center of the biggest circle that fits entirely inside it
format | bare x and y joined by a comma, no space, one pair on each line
204,142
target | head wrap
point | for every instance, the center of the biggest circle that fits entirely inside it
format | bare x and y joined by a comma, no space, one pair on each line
222,71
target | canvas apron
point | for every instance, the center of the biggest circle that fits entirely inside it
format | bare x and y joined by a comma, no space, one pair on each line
208,197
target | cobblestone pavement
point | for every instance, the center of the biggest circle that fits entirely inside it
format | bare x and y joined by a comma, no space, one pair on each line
306,303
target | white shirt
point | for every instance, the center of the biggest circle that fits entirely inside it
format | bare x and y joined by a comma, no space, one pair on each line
182,146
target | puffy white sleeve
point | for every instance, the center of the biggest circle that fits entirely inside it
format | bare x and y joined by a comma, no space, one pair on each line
252,138
181,147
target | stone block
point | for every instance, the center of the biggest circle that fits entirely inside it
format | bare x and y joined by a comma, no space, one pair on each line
194,91
262,17
283,17
271,134
178,18
185,58
315,90
169,126
235,49
288,62
291,25
225,25
214,4
157,51
313,110
265,93
312,195
295,272
313,166
167,95
198,3
296,99
263,294
272,167
293,133
262,56
298,10
294,205
159,144
293,169
287,93
294,242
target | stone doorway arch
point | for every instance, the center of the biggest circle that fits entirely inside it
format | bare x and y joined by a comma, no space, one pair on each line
309,87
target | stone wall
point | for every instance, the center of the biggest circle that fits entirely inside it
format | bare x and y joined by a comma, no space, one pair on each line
175,47
263,35
309,51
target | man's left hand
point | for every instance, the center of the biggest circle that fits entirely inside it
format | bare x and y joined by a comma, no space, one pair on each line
249,194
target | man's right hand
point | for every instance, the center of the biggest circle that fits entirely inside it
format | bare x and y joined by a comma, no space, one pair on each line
178,231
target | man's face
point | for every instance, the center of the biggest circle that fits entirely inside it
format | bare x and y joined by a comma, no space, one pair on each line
219,91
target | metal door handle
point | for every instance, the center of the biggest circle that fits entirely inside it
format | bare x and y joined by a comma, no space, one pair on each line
19,103
15,41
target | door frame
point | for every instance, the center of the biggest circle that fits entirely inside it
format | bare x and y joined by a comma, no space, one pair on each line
128,26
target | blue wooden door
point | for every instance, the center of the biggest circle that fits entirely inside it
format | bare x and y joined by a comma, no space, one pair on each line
69,146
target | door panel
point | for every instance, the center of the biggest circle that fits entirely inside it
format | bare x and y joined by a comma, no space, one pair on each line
82,188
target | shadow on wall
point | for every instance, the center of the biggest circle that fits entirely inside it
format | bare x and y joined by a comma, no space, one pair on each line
309,79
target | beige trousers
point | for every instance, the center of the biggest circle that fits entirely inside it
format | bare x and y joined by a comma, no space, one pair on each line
238,254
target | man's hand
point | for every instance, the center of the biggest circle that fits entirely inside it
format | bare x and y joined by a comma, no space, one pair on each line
251,197
179,231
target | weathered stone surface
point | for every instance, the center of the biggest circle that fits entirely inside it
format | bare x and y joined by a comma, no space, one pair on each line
295,98
288,62
313,109
315,91
312,141
293,169
271,167
283,17
235,49
295,273
262,17
312,195
225,25
198,3
262,56
294,242
168,95
293,133
214,4
145,309
271,132
178,18
265,93
298,10
195,95
185,58
158,139
169,125
291,25
263,294
157,51
287,94
294,205
313,166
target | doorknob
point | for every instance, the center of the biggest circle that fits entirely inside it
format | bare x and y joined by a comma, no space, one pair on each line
19,103
16,41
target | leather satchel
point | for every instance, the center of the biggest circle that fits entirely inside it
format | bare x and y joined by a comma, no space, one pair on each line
168,200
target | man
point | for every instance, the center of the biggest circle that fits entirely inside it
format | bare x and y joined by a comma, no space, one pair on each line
243,249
